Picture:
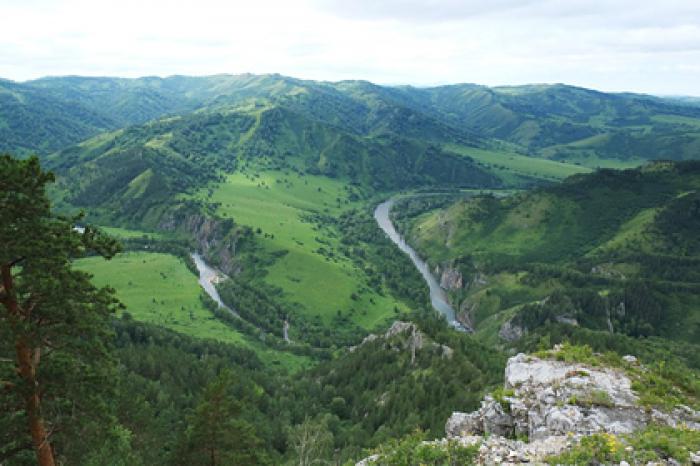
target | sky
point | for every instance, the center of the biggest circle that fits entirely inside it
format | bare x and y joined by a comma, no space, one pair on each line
650,46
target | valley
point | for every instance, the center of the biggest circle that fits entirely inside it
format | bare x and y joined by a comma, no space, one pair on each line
438,298
349,262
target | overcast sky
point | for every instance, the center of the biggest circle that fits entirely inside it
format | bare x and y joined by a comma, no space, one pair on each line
615,45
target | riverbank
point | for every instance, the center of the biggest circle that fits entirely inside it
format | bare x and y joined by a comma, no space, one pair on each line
438,296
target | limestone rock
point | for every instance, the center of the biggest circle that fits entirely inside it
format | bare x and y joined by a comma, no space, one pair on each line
367,461
553,404
494,418
510,331
629,359
463,424
695,457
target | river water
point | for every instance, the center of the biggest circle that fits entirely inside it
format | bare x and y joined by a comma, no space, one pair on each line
438,297
207,278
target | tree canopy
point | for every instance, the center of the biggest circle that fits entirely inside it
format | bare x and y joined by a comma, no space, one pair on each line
54,358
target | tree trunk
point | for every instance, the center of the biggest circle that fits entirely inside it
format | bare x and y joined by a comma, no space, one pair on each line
40,437
27,362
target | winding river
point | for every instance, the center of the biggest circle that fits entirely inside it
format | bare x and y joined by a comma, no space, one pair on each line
208,276
438,297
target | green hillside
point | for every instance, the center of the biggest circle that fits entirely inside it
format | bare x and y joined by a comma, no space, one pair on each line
33,122
134,171
583,249
159,289
274,180
558,122
574,124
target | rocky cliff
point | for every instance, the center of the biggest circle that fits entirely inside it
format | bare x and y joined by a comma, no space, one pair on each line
547,406
217,239
550,407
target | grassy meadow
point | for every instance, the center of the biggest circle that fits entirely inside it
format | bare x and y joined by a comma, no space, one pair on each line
508,166
158,288
312,273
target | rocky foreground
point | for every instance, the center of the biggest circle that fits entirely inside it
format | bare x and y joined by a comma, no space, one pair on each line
547,406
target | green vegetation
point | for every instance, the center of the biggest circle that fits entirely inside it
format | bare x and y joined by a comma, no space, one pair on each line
291,213
124,233
663,381
605,251
54,339
376,392
649,445
513,168
413,451
272,180
158,288
33,122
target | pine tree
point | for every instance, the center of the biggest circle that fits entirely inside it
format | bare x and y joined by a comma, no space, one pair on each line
53,321
216,435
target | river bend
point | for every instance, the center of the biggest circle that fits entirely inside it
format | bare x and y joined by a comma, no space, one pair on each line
438,297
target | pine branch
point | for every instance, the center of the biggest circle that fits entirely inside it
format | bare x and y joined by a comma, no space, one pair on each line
5,455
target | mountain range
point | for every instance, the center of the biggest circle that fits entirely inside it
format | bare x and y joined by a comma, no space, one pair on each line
549,214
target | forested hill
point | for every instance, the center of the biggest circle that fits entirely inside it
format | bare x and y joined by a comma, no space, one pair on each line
272,181
613,251
137,169
32,121
551,121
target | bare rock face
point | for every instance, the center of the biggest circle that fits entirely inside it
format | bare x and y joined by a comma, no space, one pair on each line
464,424
547,406
451,279
214,237
554,398
553,404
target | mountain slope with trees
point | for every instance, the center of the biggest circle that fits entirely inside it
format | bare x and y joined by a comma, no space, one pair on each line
551,121
613,251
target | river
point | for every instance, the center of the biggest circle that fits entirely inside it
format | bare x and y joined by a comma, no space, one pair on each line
208,277
438,297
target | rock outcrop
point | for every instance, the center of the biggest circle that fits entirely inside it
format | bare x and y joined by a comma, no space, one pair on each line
217,239
510,331
405,336
451,279
552,404
547,406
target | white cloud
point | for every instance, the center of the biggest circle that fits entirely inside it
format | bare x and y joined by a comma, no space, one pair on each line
637,45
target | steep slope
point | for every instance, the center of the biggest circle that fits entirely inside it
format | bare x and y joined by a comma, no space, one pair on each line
571,406
133,170
31,121
551,121
610,251
576,124
127,101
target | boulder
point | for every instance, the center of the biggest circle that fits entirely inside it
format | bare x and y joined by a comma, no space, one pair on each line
463,425
495,419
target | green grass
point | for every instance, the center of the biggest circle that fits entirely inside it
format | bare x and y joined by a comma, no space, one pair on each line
480,227
522,165
677,120
123,233
275,202
631,234
158,288
649,445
